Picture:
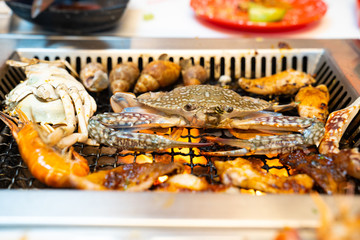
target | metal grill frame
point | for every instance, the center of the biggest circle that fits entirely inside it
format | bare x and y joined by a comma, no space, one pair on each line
165,215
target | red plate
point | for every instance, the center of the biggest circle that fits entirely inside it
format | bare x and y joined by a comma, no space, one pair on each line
226,13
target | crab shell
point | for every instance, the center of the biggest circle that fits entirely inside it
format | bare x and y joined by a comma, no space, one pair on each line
45,112
203,105
50,109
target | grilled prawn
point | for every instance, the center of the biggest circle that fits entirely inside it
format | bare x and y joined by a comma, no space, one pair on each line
44,162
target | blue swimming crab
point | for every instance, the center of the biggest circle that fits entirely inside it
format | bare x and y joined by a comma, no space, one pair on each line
203,107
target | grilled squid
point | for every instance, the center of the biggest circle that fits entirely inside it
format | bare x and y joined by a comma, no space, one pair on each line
123,77
192,74
157,74
131,177
94,77
286,82
313,102
249,174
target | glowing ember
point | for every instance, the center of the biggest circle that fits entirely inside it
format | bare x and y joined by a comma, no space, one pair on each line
186,155
186,151
181,155
128,157
161,179
259,193
252,192
278,172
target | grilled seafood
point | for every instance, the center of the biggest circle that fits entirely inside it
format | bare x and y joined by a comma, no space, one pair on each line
129,177
335,127
188,182
313,102
94,77
328,170
249,174
286,82
157,74
192,74
201,106
273,145
123,77
46,164
70,169
103,129
51,96
183,182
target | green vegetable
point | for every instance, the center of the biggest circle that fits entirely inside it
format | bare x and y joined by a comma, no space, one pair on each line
148,16
259,13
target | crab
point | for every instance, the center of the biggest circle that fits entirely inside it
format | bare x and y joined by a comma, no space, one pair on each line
202,106
54,98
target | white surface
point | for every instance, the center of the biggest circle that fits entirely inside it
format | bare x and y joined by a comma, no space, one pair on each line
175,18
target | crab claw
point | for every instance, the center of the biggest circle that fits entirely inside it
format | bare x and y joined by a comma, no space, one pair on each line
133,121
261,145
119,130
140,141
121,100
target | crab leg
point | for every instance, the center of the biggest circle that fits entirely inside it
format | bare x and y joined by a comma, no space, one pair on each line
261,145
335,127
89,105
56,134
16,96
117,130
82,134
136,120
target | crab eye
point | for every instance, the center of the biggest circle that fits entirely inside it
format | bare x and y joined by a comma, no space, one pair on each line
189,107
219,109
228,109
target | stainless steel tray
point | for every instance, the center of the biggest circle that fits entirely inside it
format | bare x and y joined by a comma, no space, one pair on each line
175,216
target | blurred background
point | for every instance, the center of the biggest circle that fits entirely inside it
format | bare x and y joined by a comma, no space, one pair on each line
177,19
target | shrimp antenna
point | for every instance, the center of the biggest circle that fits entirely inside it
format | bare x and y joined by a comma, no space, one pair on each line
10,123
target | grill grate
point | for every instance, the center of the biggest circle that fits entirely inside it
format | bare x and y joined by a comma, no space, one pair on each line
237,63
